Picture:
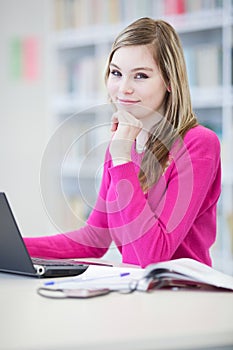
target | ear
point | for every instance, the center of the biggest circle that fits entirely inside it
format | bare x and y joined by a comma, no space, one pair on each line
169,88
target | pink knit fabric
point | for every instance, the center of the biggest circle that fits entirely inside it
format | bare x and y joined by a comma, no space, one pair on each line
175,219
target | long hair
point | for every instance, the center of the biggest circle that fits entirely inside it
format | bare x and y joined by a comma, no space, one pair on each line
178,117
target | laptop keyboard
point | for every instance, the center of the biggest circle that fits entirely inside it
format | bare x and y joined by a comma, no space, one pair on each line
55,262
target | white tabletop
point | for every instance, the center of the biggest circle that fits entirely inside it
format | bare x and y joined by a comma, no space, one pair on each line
157,320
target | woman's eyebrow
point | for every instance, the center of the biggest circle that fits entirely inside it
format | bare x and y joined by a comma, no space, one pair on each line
134,69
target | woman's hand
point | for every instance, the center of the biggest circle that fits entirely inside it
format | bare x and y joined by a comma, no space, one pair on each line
126,128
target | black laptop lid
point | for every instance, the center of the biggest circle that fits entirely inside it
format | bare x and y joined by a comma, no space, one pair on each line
13,254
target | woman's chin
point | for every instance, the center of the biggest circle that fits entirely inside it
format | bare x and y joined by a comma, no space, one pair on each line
139,111
136,110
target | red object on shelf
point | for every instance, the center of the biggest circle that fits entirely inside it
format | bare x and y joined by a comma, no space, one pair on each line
174,7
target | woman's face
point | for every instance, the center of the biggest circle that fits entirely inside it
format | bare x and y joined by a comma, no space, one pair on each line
134,83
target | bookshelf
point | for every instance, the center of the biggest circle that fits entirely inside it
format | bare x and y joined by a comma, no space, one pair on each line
83,33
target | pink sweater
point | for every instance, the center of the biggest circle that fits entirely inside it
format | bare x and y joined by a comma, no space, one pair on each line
175,219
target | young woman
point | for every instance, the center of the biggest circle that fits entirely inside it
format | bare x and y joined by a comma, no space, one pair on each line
162,173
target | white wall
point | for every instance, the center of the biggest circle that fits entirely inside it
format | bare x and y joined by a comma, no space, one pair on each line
24,114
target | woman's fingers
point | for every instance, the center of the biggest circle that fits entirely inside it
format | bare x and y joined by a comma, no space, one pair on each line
126,124
126,128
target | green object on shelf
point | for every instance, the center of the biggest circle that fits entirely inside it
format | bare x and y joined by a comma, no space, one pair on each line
15,59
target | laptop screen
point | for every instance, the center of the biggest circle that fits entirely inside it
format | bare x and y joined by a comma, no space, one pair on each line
13,253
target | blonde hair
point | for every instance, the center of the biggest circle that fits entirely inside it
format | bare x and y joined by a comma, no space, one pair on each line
167,51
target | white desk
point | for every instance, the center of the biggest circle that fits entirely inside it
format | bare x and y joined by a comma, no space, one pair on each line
157,320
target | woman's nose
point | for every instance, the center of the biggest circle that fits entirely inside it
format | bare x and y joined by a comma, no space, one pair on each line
126,86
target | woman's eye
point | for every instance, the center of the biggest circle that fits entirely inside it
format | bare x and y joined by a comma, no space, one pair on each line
141,76
116,73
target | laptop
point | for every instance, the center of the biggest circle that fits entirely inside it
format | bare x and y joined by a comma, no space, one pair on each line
14,256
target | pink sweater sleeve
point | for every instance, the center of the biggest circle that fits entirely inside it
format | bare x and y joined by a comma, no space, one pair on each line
61,246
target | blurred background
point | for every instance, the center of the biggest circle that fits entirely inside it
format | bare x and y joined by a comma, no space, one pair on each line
52,60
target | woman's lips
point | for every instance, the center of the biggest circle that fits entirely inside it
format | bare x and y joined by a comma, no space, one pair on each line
127,102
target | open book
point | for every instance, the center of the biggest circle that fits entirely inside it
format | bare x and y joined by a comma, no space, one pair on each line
179,273
186,273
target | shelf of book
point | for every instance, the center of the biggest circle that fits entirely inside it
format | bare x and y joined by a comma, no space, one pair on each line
84,30
78,14
96,34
